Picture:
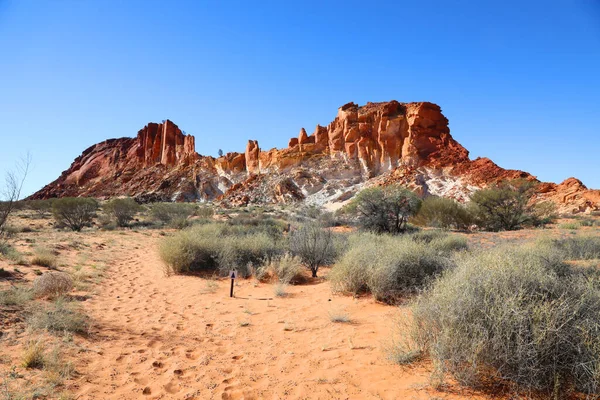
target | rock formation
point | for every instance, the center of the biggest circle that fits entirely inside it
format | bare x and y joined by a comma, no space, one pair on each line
378,143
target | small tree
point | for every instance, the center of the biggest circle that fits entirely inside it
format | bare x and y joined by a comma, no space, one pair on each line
11,191
314,245
175,214
123,210
503,206
384,209
40,207
220,153
74,212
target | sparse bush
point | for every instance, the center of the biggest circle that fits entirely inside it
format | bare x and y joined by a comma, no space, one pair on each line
41,207
212,246
389,267
339,316
543,213
513,314
440,212
173,214
52,284
44,258
280,289
384,210
314,245
122,210
286,269
74,212
205,212
60,316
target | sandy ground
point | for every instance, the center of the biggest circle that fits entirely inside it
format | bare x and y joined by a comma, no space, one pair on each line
183,337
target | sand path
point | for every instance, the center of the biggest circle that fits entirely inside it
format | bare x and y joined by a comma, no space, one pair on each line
181,338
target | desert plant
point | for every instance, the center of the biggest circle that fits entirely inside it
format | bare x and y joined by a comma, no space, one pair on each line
440,212
33,355
504,206
575,248
388,267
15,296
217,246
74,212
44,258
52,284
314,245
384,209
41,207
286,269
122,210
60,316
513,314
573,225
173,214
10,192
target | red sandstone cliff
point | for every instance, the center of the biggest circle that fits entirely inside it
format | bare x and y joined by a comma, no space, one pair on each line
377,143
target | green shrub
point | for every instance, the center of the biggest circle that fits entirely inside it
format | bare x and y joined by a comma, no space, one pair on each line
384,209
440,212
41,207
503,207
513,314
60,316
74,212
570,225
173,214
388,267
217,246
122,210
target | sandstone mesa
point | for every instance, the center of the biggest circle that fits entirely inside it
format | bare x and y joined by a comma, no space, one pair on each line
374,144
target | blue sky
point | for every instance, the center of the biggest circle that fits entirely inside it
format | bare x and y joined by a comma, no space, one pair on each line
518,80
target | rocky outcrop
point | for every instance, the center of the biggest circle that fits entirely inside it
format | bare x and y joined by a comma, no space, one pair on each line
374,144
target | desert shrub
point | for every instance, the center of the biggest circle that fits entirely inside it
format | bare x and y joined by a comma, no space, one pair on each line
588,222
44,258
384,210
12,254
60,316
388,267
286,269
440,212
173,214
575,248
542,214
503,207
74,212
41,207
512,314
314,245
205,212
212,246
122,210
260,223
52,284
15,296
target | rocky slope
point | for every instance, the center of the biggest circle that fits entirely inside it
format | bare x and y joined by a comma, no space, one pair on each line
378,143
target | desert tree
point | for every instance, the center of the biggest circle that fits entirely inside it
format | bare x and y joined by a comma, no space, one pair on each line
384,209
10,192
122,210
220,153
314,245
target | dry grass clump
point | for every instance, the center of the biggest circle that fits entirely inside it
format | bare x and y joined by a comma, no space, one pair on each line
44,258
575,248
33,355
390,267
217,246
52,284
570,225
60,316
285,269
172,214
15,296
280,289
339,316
513,314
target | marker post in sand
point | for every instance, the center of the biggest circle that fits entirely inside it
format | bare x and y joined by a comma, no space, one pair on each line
232,274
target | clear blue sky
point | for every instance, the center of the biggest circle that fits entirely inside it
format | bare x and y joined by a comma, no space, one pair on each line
518,80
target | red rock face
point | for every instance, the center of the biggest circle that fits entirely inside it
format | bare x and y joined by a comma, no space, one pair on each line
408,143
